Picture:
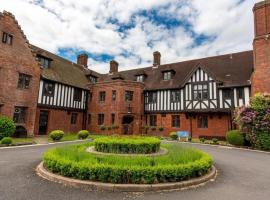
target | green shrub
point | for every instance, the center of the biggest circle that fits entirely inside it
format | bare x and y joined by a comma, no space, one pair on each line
83,134
181,163
6,140
56,135
136,144
102,127
263,141
190,139
173,136
7,127
202,139
215,140
161,129
235,137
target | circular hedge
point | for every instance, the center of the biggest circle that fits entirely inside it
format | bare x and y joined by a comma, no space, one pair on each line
181,163
140,145
235,137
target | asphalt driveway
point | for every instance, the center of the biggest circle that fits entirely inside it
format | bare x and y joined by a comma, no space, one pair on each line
241,175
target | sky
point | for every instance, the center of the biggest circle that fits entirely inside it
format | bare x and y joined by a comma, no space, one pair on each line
129,31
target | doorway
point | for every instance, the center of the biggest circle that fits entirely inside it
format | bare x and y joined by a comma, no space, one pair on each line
127,124
43,122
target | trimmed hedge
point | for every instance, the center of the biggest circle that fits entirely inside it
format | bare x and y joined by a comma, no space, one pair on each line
141,145
83,134
7,127
173,136
56,135
235,137
76,163
6,140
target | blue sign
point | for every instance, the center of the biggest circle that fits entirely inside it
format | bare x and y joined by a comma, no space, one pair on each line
182,134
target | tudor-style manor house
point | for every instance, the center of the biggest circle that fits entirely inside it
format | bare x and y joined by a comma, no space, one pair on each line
41,91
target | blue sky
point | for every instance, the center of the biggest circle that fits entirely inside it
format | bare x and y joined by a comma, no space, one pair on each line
129,31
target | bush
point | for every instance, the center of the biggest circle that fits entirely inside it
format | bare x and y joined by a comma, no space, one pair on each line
181,163
215,140
56,135
6,140
202,139
161,129
83,134
142,145
263,141
102,127
235,137
7,127
173,136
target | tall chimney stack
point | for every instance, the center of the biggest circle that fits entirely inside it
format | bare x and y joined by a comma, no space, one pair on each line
82,59
113,66
261,48
156,60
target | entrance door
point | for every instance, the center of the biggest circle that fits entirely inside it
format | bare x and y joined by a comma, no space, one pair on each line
43,122
127,124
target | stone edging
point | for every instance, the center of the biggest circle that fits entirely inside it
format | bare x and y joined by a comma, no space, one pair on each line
194,182
162,151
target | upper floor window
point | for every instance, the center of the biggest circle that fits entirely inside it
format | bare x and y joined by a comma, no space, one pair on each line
240,93
227,93
45,62
152,97
153,120
19,114
93,79
176,121
74,117
77,94
129,95
48,89
7,38
101,118
24,81
113,95
167,75
200,91
175,96
140,78
102,96
202,121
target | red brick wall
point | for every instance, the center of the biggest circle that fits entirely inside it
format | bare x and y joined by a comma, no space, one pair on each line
14,59
60,120
218,125
119,107
261,46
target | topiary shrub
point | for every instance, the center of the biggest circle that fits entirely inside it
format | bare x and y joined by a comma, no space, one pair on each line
263,141
6,140
7,127
235,137
202,139
215,140
173,136
102,127
161,129
56,135
83,134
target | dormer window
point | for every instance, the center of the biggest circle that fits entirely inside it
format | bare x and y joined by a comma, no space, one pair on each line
7,38
168,75
45,62
140,78
93,79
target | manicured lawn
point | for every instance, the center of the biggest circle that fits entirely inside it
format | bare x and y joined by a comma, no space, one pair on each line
22,140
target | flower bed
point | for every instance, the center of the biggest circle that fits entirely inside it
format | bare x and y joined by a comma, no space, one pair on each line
179,164
140,145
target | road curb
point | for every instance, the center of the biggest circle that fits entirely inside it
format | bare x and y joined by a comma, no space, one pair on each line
195,182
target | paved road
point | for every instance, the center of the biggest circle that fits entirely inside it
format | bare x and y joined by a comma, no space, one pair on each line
242,175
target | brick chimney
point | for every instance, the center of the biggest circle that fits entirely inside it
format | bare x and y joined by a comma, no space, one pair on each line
261,48
113,66
156,60
82,59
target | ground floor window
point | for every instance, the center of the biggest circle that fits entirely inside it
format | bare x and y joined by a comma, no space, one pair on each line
153,120
101,119
74,117
112,118
89,118
19,114
176,121
203,121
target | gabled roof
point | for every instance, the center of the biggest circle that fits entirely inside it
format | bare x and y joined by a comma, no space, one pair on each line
230,69
64,71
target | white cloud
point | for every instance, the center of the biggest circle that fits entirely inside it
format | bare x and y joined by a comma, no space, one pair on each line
86,25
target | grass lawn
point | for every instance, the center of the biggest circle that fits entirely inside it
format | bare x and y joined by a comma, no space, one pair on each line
22,140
